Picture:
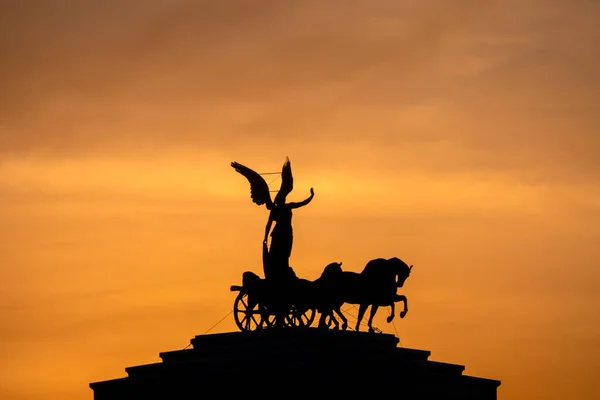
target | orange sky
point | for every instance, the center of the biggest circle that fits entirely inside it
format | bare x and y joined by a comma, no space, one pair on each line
460,136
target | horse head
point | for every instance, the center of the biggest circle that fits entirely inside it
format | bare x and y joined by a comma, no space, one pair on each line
332,269
401,269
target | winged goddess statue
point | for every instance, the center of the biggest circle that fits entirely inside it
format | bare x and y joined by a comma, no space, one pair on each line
280,212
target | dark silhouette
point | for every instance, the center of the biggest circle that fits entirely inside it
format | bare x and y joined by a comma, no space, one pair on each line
262,303
282,299
277,264
268,363
267,303
375,286
275,361
382,277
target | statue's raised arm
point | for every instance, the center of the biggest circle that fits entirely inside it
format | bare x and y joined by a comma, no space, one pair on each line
304,202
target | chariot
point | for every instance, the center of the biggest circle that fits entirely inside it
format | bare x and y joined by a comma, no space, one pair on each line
270,302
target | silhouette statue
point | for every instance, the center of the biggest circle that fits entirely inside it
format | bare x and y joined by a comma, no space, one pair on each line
375,286
382,277
279,252
264,304
282,299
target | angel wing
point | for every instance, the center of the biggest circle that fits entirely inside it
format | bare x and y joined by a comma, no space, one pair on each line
287,182
259,190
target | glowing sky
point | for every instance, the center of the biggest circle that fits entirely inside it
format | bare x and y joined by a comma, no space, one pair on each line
461,136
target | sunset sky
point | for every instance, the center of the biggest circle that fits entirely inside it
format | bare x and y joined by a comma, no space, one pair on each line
461,136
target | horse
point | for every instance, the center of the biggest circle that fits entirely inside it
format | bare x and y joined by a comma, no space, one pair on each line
382,278
375,286
317,294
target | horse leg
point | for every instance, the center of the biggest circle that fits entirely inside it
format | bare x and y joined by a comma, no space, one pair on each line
322,323
361,313
344,319
403,299
374,308
392,311
336,324
333,319
324,315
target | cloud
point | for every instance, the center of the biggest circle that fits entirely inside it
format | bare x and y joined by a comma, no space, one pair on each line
498,87
190,63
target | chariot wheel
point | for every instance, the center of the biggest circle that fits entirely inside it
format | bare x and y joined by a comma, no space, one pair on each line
248,315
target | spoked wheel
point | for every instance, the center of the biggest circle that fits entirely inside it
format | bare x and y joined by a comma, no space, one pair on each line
248,314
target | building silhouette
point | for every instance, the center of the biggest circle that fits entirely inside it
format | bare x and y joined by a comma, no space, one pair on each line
296,363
